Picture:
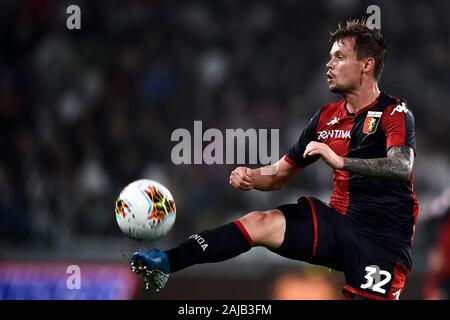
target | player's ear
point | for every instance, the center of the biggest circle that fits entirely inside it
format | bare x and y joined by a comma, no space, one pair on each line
368,65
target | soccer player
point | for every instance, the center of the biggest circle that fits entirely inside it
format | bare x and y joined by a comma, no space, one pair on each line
367,227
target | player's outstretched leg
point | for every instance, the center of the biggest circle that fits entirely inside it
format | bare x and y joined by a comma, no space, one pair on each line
215,245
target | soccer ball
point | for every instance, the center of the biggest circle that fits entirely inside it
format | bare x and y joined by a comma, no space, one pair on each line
145,210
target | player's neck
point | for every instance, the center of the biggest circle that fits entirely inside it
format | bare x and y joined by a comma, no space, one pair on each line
361,98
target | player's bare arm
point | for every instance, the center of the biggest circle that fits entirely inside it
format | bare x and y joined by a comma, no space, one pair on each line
396,166
268,178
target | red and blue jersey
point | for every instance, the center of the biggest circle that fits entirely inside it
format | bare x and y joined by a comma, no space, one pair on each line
384,210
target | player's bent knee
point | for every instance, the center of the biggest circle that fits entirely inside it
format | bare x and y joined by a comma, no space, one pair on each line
253,222
266,228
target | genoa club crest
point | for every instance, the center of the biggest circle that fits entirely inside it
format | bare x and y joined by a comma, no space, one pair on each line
371,123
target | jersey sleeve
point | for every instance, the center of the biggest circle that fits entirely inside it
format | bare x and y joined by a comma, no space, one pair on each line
397,123
295,154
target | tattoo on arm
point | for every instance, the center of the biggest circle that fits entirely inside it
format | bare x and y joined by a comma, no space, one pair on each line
397,166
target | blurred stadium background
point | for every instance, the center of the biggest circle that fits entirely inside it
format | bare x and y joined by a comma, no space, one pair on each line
84,112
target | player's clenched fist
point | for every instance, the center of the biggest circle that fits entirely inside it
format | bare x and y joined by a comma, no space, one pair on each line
241,178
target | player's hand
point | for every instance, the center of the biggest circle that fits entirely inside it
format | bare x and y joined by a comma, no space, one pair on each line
328,155
241,178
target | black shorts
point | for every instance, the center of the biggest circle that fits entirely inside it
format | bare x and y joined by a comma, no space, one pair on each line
319,234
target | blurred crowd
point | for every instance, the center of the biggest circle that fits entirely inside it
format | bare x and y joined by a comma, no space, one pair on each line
84,112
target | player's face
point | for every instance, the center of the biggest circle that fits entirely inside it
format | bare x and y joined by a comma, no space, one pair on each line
344,70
